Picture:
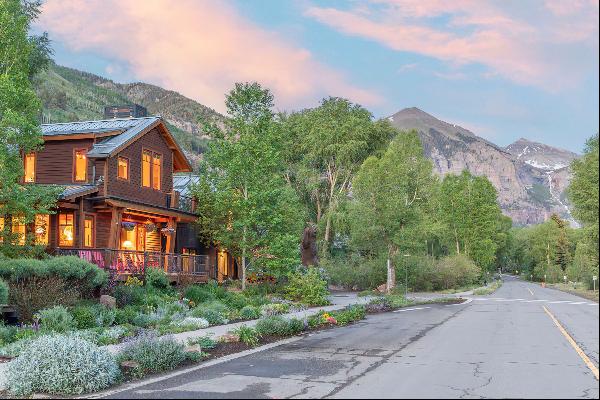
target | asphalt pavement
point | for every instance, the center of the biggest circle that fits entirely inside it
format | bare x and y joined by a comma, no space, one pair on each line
523,341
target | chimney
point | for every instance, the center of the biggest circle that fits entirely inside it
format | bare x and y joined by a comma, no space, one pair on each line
126,111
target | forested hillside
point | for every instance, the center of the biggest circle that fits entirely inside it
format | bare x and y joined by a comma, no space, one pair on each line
71,95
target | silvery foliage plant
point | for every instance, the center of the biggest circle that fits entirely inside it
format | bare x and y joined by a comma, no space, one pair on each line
63,365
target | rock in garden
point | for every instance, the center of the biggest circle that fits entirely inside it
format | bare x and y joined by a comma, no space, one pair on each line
382,288
128,366
229,338
193,349
108,301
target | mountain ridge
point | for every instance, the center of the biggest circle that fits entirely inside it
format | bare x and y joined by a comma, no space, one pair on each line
526,193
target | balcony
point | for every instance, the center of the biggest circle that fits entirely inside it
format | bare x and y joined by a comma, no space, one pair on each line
177,201
131,262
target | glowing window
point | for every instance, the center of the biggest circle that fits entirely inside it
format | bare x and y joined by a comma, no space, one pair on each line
18,229
156,161
88,232
80,173
146,163
123,168
1,229
66,229
29,164
42,223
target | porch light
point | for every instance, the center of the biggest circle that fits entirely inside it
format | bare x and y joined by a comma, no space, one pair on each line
128,244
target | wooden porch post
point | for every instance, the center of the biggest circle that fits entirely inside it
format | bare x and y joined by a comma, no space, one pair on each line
80,225
170,245
115,228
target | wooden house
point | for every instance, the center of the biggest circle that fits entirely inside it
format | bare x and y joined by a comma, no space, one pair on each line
119,208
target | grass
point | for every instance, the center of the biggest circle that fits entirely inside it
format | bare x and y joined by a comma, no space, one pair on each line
485,290
576,288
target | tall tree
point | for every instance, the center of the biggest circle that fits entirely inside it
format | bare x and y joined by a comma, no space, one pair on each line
470,209
391,195
19,111
325,147
246,205
583,193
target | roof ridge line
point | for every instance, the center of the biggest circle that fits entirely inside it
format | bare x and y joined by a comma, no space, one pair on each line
103,120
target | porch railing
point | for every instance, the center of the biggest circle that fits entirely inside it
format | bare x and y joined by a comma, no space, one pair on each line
136,262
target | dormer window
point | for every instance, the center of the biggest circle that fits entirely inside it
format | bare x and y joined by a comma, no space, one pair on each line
80,165
29,166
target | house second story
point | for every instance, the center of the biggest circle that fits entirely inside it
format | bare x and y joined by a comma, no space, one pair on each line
131,159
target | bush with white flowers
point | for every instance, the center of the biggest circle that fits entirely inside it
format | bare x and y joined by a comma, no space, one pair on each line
197,323
63,365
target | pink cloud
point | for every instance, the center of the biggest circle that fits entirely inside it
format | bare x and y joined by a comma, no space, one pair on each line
534,51
199,48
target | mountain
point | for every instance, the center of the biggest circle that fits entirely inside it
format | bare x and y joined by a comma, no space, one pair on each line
531,178
71,95
541,156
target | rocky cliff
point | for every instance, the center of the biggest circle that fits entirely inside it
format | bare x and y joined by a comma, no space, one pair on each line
530,186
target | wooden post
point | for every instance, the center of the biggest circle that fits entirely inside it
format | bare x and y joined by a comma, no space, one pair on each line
115,228
81,225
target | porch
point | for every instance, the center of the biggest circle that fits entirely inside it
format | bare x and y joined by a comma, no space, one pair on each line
124,263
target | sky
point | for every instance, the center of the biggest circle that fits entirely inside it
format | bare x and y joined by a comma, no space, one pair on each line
503,69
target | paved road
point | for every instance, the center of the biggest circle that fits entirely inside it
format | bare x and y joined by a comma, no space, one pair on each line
504,345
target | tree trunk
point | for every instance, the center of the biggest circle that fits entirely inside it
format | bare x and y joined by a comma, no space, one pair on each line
244,260
456,239
327,231
391,276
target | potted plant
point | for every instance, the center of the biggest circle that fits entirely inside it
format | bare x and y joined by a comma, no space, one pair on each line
128,226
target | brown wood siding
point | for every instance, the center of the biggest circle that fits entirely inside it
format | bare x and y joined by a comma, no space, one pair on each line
54,163
102,229
133,189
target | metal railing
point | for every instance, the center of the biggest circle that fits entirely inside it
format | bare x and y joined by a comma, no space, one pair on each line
135,262
180,202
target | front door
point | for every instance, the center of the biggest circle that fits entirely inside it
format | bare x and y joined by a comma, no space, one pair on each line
222,265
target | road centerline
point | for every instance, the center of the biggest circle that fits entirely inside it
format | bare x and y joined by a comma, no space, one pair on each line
574,344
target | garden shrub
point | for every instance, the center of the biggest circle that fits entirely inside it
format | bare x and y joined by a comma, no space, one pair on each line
3,292
192,322
456,271
38,284
279,326
61,365
142,320
247,335
355,272
307,288
350,314
249,312
152,353
268,310
205,342
213,317
85,317
199,294
112,335
7,334
157,278
125,315
105,316
129,295
56,319
235,300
